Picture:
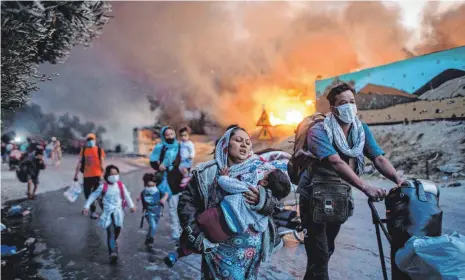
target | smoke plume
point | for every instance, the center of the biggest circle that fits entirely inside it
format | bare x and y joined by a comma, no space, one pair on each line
230,58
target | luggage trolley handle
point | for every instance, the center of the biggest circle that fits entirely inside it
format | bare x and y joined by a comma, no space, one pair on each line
378,222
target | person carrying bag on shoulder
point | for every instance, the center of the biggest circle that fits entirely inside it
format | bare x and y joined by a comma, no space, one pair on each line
339,145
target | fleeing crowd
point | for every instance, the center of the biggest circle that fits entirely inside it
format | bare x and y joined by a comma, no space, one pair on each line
223,209
172,161
28,158
14,151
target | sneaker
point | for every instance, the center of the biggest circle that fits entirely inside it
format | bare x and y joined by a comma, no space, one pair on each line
149,241
170,260
113,258
94,216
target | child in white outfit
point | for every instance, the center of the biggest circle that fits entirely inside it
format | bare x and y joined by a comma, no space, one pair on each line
187,154
115,197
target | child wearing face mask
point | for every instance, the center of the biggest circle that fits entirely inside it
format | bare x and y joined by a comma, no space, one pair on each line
187,155
153,199
115,197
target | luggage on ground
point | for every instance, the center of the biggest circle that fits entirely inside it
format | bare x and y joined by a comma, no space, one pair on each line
440,258
412,210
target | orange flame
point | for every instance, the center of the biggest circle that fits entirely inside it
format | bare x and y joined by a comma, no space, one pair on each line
291,117
288,110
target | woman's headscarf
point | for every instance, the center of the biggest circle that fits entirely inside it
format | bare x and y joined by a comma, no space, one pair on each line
254,167
163,139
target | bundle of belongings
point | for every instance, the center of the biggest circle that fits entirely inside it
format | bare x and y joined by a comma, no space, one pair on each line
414,222
441,257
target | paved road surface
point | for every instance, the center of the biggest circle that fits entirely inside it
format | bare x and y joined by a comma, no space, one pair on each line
71,246
54,177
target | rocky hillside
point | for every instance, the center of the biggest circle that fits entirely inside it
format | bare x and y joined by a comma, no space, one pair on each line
449,89
436,149
428,149
440,79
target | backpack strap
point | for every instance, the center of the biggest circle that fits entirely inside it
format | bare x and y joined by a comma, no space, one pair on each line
177,161
162,153
105,189
83,159
121,192
99,151
144,203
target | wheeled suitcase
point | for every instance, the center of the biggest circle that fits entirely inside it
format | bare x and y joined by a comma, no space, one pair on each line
411,209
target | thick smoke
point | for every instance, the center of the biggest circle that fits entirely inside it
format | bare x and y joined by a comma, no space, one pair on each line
229,58
444,30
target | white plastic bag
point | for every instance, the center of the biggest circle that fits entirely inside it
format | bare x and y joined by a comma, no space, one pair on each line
432,258
73,192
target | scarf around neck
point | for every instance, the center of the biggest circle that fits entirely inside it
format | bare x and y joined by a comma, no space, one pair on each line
357,134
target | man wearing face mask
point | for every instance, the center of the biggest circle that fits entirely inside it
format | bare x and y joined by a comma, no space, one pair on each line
166,158
340,144
90,164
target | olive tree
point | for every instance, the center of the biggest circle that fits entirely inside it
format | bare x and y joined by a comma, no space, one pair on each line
35,32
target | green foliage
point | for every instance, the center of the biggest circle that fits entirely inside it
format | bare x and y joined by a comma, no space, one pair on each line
35,32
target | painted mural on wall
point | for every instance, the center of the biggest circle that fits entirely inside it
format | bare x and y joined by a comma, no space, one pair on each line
425,87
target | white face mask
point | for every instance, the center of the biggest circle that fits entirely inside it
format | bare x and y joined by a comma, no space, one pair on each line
347,112
113,178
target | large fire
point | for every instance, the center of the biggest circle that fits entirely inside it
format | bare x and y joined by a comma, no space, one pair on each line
285,106
291,117
290,113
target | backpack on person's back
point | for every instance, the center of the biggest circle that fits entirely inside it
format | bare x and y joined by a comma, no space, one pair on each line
23,171
301,156
124,203
83,158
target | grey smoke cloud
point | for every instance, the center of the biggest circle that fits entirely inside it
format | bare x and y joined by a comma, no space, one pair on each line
222,57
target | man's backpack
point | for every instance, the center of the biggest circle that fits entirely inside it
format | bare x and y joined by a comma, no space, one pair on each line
121,191
83,158
301,156
23,171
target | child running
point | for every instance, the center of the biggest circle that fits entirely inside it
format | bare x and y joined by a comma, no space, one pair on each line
234,215
115,198
187,155
153,199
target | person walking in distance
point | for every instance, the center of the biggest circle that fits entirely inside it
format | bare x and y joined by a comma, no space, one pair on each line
56,151
91,165
35,164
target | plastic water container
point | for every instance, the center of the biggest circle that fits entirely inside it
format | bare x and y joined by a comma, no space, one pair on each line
73,192
8,250
15,210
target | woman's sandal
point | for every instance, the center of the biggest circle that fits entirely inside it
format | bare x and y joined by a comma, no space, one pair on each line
113,258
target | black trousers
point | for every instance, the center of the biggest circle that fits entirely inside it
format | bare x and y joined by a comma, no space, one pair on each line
319,243
90,185
112,235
